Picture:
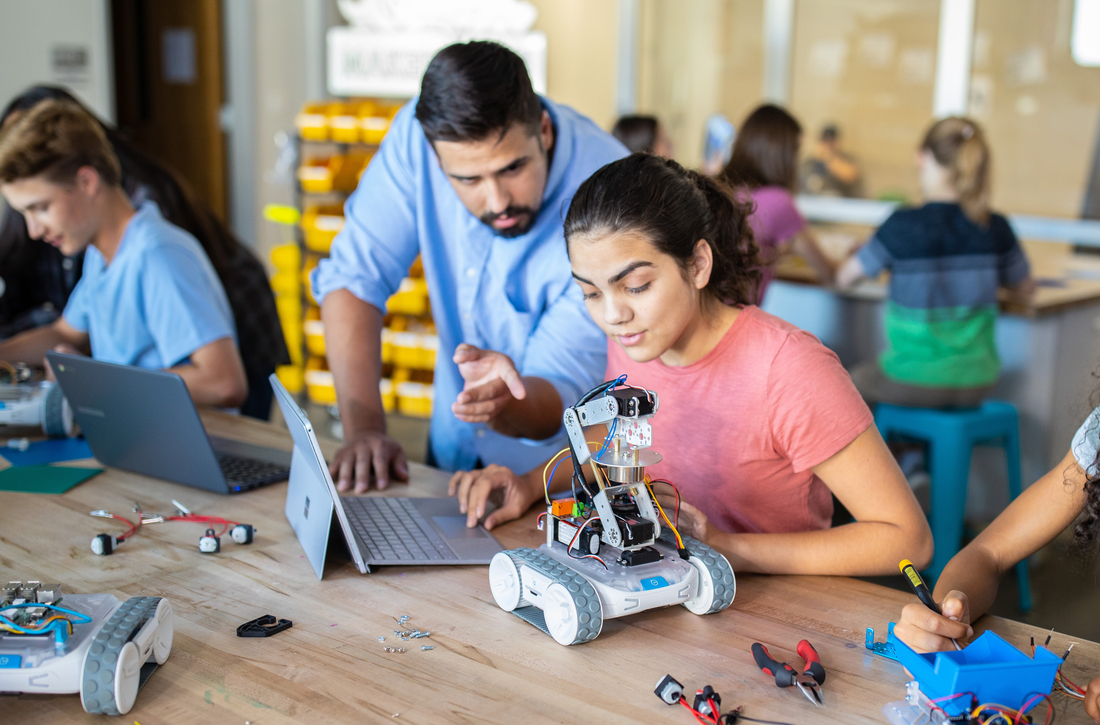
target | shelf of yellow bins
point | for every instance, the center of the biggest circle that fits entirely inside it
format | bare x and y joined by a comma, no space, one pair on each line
320,225
415,399
411,298
315,332
320,385
287,286
312,122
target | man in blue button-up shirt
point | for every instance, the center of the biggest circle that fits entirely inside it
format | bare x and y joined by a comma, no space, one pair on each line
475,175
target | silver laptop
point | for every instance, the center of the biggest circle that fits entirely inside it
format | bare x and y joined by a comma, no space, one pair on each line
378,530
145,421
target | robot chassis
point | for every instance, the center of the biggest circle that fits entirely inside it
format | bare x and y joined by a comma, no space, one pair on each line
86,643
564,588
26,402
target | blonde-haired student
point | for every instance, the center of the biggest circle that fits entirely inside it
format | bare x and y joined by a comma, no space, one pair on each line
947,260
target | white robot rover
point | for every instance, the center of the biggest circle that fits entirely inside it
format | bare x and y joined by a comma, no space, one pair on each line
606,554
26,402
93,645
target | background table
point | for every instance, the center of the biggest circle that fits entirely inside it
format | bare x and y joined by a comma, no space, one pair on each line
488,666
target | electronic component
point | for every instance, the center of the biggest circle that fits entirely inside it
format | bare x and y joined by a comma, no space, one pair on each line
669,690
242,533
210,544
620,550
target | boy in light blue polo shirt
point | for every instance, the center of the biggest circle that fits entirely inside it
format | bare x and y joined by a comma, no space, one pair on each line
148,295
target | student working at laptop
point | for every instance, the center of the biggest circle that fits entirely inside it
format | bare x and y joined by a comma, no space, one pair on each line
148,295
474,175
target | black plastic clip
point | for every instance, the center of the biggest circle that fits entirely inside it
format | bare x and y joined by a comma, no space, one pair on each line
264,626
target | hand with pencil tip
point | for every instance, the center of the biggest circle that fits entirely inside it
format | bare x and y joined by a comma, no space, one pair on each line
931,626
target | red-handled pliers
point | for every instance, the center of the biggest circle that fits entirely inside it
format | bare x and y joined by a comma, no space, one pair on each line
809,681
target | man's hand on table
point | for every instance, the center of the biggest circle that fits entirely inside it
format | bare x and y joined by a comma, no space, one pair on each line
367,456
925,631
492,381
473,489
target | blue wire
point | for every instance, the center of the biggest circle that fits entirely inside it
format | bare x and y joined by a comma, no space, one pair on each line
614,424
83,618
554,470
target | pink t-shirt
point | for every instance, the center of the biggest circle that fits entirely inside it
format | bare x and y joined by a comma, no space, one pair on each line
774,221
741,429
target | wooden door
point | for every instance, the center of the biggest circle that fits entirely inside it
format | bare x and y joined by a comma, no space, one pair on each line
169,88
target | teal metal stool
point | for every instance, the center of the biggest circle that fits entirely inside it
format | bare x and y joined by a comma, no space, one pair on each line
951,436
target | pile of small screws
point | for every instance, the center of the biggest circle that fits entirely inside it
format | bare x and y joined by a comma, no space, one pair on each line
406,635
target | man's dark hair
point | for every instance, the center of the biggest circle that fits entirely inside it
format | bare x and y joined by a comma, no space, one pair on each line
473,90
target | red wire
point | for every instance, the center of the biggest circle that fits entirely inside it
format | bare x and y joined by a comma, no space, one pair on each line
133,529
217,520
698,715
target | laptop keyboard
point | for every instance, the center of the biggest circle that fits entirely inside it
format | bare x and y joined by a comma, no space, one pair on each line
393,530
245,473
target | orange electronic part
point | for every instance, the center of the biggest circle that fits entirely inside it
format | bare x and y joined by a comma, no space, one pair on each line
562,507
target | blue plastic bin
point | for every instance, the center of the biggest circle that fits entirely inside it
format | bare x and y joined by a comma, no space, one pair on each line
990,667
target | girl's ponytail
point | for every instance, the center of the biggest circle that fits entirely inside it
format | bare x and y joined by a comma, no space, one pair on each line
958,144
736,274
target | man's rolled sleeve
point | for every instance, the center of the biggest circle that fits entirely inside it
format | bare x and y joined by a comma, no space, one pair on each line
874,257
378,243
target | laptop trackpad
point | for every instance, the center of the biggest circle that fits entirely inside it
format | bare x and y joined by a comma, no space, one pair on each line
454,528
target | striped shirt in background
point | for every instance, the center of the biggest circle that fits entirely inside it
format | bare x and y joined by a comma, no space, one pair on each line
942,308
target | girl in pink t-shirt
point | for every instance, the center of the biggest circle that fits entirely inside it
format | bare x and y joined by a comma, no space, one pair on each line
758,420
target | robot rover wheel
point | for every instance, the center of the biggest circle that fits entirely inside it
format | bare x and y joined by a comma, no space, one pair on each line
115,668
571,612
717,584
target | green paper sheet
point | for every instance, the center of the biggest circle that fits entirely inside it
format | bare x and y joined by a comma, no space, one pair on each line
44,479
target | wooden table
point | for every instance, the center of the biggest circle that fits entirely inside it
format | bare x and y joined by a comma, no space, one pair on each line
487,665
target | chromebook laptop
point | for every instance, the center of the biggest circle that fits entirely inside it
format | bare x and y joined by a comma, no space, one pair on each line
378,530
145,421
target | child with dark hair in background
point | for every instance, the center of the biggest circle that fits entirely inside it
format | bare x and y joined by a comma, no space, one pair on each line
643,134
759,424
968,585
764,168
947,260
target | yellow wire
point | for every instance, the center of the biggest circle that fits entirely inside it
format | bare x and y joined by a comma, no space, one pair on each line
545,481
11,370
663,514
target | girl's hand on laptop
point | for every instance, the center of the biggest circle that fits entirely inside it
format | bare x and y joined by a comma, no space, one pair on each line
473,489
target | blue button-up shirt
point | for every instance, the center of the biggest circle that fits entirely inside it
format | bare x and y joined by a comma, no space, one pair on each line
515,296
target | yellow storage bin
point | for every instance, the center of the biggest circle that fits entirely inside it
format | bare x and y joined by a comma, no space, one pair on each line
315,337
426,349
415,399
320,225
387,346
321,387
292,377
287,257
375,119
389,395
411,298
343,122
312,122
287,284
406,350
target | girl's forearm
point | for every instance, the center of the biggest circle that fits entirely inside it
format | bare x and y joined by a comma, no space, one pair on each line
857,549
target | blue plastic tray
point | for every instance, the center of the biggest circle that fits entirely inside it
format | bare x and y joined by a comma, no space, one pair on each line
990,667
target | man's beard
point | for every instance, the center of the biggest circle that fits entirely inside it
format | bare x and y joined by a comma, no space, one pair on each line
516,230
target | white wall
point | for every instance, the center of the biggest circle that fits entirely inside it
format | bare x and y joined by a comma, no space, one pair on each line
33,33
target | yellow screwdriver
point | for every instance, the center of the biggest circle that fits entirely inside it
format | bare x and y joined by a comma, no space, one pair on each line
921,590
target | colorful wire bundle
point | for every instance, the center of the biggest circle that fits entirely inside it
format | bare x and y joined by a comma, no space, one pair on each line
679,541
569,549
46,626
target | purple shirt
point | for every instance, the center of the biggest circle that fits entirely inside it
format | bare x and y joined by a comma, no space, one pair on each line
774,220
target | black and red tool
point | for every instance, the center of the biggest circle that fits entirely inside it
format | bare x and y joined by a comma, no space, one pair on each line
809,681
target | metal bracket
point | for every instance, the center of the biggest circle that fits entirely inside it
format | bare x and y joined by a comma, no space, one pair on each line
883,649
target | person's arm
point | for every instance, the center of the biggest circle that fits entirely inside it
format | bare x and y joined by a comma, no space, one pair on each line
353,343
516,493
368,259
805,244
30,347
889,525
850,272
214,374
968,584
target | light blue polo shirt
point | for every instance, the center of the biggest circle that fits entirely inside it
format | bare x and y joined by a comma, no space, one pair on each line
516,296
158,300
